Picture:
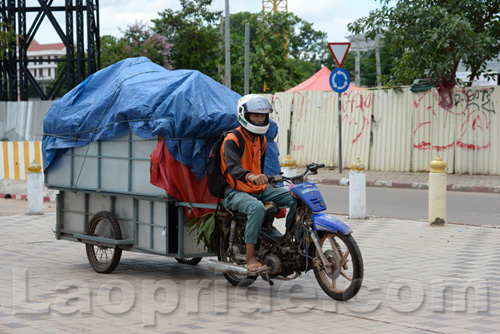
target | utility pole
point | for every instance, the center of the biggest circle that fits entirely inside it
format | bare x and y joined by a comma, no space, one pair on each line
228,51
377,61
247,58
221,48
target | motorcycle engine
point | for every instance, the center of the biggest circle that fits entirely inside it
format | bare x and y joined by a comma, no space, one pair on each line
273,263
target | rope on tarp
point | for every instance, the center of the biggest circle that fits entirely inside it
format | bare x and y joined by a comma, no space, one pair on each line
92,132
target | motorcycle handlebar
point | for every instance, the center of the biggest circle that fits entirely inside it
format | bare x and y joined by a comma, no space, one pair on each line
313,168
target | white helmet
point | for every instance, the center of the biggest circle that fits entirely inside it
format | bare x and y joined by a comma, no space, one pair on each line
254,104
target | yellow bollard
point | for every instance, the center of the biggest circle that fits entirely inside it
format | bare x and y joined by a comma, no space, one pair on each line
437,192
35,189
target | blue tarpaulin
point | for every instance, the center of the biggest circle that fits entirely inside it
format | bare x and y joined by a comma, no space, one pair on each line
187,108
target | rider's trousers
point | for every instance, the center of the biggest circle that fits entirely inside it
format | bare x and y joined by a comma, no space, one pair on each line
252,205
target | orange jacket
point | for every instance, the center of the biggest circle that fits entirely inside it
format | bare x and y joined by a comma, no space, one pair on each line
252,161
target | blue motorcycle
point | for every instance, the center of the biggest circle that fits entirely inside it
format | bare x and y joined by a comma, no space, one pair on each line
316,241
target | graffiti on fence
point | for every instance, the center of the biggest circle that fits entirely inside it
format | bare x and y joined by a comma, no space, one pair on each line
302,111
471,111
356,112
476,114
475,99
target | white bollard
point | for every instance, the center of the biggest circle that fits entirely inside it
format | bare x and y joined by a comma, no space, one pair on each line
357,190
35,189
437,192
288,166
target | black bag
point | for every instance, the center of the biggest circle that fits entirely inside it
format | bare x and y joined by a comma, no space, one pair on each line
216,180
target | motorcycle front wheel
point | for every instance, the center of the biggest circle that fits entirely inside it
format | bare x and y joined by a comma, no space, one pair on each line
224,254
343,281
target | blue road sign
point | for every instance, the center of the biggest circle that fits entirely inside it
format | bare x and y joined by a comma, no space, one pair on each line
339,80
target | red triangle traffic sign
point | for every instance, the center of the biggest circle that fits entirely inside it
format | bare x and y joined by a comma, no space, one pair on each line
339,51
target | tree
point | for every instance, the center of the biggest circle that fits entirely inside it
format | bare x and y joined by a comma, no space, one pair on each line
7,36
194,33
138,40
268,52
433,36
284,50
112,50
278,62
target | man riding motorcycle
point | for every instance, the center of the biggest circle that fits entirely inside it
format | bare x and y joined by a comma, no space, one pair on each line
248,187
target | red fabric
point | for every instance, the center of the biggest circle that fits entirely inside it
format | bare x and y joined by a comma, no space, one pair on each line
319,81
282,213
167,173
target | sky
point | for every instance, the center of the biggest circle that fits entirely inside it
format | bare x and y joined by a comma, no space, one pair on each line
330,16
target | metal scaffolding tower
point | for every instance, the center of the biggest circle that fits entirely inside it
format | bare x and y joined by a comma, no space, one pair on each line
274,6
80,15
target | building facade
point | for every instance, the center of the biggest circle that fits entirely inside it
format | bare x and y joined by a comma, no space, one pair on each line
44,70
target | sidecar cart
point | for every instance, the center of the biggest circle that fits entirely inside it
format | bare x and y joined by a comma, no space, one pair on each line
107,202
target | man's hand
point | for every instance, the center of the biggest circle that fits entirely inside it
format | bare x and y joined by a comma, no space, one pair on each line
257,179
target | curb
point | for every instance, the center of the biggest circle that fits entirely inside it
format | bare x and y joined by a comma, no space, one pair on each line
411,185
25,197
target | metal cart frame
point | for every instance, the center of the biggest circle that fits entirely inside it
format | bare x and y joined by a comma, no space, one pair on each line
113,176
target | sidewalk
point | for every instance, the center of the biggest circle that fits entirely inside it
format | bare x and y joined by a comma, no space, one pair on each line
470,183
418,280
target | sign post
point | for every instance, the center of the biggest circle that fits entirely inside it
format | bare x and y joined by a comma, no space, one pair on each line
339,81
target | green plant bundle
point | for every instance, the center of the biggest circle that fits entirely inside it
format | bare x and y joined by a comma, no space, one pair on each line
209,228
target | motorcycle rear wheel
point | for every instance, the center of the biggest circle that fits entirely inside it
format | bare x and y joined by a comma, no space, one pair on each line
224,256
343,249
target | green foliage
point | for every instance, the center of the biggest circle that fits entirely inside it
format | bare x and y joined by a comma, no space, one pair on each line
194,33
284,51
46,86
209,229
141,41
431,37
268,53
112,50
138,40
7,37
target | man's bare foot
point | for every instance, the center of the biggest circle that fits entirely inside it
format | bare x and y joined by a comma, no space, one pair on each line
256,267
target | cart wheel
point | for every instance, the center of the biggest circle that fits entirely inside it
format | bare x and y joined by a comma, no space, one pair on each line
104,259
189,260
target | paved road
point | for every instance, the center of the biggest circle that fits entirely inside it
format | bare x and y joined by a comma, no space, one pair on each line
9,207
415,278
462,207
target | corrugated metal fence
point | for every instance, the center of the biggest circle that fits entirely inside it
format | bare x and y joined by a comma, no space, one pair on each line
394,130
23,120
391,130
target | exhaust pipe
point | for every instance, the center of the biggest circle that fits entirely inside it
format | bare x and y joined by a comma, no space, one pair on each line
224,267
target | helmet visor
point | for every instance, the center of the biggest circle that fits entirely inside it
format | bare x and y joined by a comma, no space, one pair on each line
258,106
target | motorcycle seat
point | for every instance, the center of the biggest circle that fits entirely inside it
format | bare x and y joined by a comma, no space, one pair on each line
271,211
